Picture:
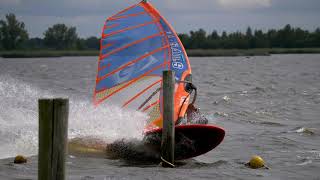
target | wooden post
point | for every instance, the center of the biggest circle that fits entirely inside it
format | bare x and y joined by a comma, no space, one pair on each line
53,134
167,143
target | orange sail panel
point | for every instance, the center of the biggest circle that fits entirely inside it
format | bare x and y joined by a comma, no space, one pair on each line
137,45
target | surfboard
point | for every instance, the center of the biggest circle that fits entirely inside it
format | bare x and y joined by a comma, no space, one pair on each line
190,140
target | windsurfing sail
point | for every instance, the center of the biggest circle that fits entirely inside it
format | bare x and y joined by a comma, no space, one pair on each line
137,45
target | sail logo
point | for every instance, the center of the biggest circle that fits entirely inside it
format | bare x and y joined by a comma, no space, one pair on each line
176,56
177,65
176,51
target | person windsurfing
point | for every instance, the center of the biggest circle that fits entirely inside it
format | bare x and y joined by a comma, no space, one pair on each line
193,114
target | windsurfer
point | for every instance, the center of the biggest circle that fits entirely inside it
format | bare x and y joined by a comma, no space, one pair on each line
193,114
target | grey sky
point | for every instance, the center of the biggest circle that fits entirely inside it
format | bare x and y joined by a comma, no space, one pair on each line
185,15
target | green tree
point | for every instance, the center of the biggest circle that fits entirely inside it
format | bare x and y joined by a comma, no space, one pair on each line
12,32
316,38
92,43
249,32
1,47
35,43
224,35
272,36
300,38
198,39
260,40
60,36
249,38
213,40
81,44
285,36
185,39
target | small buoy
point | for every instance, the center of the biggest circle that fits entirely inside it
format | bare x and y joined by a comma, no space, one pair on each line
256,162
20,159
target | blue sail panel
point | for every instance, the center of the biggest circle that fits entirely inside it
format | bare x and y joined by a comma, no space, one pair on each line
127,38
131,21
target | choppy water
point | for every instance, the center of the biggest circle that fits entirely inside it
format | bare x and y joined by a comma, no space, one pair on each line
268,106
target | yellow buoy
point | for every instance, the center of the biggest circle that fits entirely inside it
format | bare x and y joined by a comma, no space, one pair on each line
20,159
256,162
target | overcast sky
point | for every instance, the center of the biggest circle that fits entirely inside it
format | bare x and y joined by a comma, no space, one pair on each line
185,15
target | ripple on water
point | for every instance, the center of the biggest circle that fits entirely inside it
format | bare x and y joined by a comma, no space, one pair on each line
303,130
192,164
307,157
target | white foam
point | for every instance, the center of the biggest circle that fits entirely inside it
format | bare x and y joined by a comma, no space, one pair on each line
19,119
106,122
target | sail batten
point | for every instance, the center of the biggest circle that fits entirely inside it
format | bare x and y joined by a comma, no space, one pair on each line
130,82
127,45
128,28
130,63
126,16
141,92
137,45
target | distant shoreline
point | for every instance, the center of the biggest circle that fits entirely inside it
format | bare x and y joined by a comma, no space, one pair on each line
191,52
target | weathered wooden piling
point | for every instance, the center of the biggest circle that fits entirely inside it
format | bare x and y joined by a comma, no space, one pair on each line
167,143
53,133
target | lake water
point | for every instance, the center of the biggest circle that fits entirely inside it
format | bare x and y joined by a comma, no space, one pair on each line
268,105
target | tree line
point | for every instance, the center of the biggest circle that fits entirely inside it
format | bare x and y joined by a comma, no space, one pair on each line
13,36
287,37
